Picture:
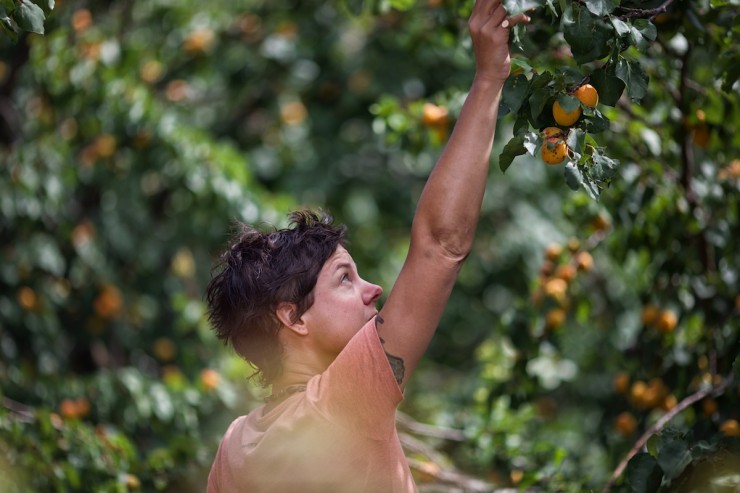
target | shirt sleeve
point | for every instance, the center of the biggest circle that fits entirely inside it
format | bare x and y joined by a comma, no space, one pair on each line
359,388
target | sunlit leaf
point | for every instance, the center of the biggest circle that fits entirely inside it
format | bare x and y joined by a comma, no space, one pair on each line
30,17
634,77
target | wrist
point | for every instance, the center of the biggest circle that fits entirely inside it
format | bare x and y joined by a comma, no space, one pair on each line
488,84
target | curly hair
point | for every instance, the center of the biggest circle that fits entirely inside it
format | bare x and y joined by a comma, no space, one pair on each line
258,271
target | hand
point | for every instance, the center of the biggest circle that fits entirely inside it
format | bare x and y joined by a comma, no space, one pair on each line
489,26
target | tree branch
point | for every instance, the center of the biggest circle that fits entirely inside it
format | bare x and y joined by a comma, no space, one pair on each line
686,402
21,411
630,13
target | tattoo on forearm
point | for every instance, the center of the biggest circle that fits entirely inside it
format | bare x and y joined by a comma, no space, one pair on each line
397,365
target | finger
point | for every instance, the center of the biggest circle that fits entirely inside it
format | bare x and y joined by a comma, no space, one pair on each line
498,15
482,11
515,20
484,8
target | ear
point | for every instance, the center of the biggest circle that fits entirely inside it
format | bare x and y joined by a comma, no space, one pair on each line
285,312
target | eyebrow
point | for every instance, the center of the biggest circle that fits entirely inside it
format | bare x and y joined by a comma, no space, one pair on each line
343,265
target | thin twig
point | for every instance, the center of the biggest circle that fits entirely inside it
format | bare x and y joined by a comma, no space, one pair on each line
630,13
409,424
686,402
21,411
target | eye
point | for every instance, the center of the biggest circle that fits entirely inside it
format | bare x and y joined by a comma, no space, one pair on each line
344,278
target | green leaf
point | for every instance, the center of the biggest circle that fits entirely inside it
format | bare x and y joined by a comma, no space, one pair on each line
603,167
591,187
643,473
568,103
600,7
620,26
523,64
673,457
30,17
513,148
575,140
634,77
515,92
521,124
402,4
518,6
573,176
596,122
643,32
609,86
8,24
538,101
587,35
531,141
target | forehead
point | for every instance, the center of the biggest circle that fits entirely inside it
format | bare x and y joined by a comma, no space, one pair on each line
339,258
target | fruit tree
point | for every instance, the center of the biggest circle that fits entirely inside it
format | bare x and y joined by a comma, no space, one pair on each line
591,342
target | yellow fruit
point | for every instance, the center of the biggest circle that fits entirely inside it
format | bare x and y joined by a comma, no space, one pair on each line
709,407
669,402
109,302
666,321
433,115
564,118
621,382
133,483
210,378
566,272
28,299
557,289
637,393
199,41
553,150
626,424
573,245
587,95
555,318
649,315
164,349
553,132
293,113
553,251
600,222
81,20
584,261
730,428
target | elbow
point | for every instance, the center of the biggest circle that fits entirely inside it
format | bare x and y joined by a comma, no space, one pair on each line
450,245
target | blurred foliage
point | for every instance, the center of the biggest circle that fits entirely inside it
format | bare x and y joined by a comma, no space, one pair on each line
131,135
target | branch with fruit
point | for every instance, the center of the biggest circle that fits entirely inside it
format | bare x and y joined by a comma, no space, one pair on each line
556,112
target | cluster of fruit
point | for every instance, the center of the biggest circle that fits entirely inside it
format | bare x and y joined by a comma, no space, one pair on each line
557,272
664,320
655,394
554,147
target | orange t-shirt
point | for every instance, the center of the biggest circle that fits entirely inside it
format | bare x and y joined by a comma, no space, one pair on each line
337,436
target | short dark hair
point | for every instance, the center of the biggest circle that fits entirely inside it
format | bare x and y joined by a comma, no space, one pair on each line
258,271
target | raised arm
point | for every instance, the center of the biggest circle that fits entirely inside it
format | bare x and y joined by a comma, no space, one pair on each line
449,207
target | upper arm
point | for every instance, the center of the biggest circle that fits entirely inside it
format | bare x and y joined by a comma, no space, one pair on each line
412,311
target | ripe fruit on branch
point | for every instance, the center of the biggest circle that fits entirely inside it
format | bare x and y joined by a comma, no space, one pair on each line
666,321
587,95
625,423
565,118
433,115
554,149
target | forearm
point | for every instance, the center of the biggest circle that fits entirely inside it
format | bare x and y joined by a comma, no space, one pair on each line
449,206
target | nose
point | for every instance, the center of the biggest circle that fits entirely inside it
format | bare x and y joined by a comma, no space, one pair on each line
372,293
